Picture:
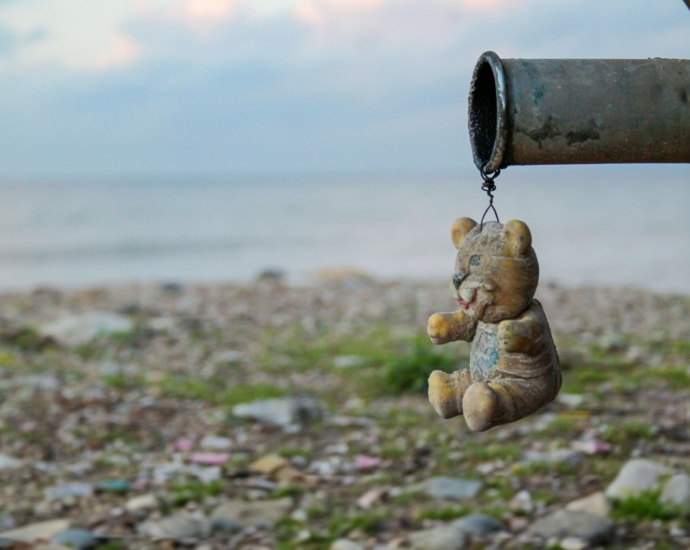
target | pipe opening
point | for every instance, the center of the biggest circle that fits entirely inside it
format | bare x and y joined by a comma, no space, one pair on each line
484,105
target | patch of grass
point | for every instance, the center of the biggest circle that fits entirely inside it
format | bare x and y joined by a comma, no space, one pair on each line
292,491
409,372
446,513
113,545
182,492
644,506
28,339
125,382
213,391
628,433
675,378
371,523
292,452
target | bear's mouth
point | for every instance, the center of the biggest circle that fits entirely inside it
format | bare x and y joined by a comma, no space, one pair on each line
468,305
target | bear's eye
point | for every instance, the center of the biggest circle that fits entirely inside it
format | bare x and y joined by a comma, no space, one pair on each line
475,261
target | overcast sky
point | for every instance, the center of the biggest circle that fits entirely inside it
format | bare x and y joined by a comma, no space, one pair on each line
107,87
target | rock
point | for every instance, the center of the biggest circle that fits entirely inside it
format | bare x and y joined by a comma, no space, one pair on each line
452,488
74,330
442,538
225,526
596,504
269,465
348,361
345,544
45,530
281,412
113,486
559,456
573,543
478,525
141,503
636,476
76,538
255,514
574,523
522,502
676,492
66,490
7,522
371,497
571,400
7,462
179,526
215,443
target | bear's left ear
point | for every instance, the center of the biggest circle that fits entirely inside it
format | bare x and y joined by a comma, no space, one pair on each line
517,236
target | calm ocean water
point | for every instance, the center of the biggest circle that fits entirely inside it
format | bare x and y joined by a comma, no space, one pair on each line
605,226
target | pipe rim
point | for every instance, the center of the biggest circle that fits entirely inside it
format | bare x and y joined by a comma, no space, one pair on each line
487,120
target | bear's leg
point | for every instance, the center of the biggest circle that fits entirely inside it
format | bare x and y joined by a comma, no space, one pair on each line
446,391
506,400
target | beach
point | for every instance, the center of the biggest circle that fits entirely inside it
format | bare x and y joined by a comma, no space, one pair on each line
274,415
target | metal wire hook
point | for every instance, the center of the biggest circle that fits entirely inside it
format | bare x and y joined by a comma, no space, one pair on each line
489,186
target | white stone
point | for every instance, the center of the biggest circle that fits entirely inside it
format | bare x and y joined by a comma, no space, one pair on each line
74,330
44,530
596,504
215,443
142,502
677,492
636,476
441,538
573,543
345,544
7,462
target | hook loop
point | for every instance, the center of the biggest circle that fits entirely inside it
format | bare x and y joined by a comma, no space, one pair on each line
489,186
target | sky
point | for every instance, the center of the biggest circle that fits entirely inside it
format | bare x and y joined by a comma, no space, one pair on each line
138,87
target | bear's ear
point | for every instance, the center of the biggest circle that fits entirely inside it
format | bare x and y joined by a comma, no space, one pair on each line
518,237
461,227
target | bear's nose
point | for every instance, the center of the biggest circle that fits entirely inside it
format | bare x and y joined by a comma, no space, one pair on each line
458,278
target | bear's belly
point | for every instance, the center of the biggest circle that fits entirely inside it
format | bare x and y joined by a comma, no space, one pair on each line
484,354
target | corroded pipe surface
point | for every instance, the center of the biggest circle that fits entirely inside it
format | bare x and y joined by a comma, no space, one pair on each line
579,111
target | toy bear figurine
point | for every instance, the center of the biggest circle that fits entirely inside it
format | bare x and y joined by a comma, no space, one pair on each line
514,368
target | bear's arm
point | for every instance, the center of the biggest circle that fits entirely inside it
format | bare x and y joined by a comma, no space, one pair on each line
451,327
524,334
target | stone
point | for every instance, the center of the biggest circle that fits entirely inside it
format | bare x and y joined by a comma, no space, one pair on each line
573,543
269,465
636,476
225,526
253,514
348,361
215,443
478,525
574,523
66,490
560,456
596,504
8,462
179,526
441,538
452,488
142,503
75,330
522,502
44,530
113,486
79,539
676,492
371,497
345,544
281,412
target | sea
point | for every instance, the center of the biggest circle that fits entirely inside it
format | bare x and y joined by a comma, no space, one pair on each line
614,226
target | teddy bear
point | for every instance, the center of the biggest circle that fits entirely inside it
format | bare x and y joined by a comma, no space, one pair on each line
514,368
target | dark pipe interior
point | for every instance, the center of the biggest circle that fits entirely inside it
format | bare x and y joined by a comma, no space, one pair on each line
483,113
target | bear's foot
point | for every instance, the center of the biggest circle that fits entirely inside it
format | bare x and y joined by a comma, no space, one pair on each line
481,406
446,391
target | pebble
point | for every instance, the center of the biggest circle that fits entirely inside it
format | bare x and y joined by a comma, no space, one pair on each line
478,524
210,459
441,538
269,464
79,539
676,492
560,456
636,476
569,523
452,488
225,526
573,543
596,504
44,530
66,490
215,443
179,526
7,462
142,502
522,502
345,544
281,412
75,330
113,486
254,514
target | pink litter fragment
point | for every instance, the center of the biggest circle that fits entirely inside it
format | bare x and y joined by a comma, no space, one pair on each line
183,445
592,447
363,462
210,459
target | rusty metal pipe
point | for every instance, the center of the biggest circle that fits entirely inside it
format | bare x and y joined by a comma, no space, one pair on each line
579,111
